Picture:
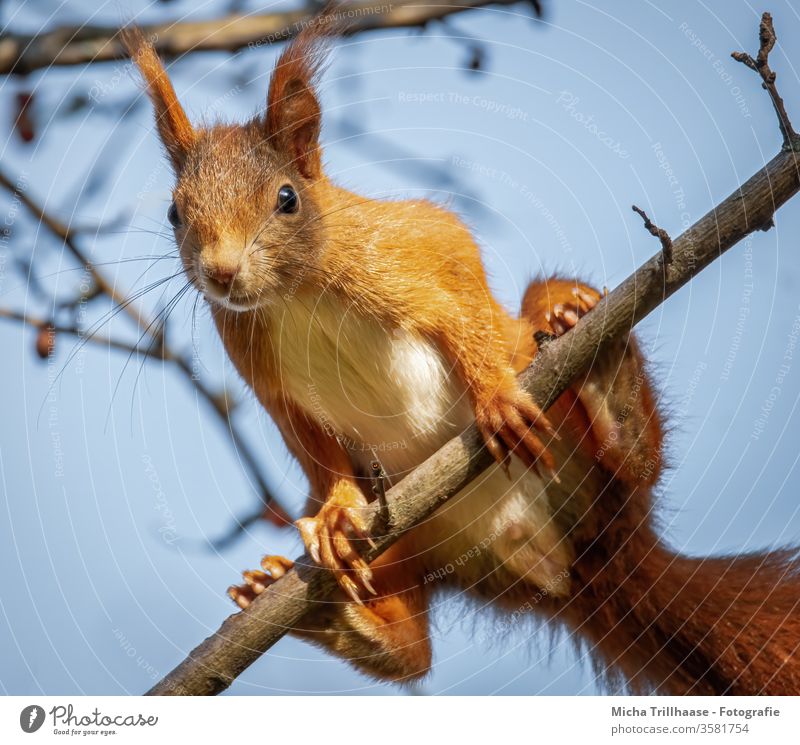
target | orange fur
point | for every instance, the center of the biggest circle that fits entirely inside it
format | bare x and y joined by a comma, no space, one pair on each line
174,128
392,297
388,636
294,117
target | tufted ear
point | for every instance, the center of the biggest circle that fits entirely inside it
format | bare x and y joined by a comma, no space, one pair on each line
174,128
294,118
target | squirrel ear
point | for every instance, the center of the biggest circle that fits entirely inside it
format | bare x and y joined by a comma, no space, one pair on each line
174,128
294,117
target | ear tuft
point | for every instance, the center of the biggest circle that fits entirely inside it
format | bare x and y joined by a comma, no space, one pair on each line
174,128
294,117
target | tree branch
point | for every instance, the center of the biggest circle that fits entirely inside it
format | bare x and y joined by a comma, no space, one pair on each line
244,636
767,39
72,330
67,236
78,45
152,344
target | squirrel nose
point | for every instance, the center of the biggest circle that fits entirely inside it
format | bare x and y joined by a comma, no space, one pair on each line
222,274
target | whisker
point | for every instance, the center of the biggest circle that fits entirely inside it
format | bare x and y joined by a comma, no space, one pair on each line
157,335
87,335
128,260
154,336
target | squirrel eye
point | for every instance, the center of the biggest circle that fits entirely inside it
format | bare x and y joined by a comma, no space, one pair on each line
173,216
288,201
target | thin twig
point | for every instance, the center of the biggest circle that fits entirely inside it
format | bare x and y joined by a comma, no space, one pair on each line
98,339
67,237
153,346
767,39
379,490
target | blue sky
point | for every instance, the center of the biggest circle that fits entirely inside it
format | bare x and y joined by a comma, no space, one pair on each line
114,478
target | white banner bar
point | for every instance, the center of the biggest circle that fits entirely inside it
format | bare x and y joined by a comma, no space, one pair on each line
395,720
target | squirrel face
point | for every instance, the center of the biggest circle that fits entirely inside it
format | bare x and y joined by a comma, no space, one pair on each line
244,217
243,210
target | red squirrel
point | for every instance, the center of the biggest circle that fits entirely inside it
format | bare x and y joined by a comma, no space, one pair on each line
365,326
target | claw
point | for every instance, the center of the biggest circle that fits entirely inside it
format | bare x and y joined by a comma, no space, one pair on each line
564,316
257,580
351,589
553,475
343,549
358,527
542,422
571,317
308,532
588,299
514,424
330,541
364,573
493,445
238,597
276,566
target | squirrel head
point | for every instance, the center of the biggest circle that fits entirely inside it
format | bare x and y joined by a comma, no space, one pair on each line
244,212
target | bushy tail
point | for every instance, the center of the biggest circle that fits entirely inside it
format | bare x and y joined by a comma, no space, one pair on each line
680,625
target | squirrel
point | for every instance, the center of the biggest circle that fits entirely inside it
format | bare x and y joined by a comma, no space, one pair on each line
366,326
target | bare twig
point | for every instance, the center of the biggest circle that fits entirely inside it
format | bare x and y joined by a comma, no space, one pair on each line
153,344
379,490
660,233
77,45
98,339
67,237
767,39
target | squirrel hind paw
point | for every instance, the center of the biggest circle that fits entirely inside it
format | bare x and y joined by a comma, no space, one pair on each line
565,315
256,581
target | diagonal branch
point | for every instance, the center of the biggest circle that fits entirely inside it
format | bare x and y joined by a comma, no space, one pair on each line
77,45
244,636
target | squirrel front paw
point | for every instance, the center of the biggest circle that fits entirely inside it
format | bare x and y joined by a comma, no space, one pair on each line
509,422
255,582
329,538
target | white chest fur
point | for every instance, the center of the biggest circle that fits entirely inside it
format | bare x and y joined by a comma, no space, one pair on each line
383,391
389,394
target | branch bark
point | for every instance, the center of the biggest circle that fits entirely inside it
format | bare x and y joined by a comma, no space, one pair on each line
78,45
